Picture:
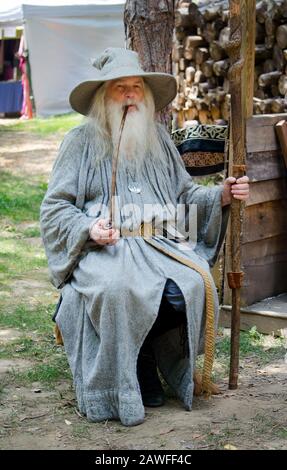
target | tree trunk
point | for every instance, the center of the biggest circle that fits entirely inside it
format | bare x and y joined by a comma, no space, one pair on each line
149,28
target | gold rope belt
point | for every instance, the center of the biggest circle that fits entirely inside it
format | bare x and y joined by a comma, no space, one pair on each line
209,345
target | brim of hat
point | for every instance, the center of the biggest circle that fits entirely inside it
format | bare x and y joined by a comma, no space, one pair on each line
162,85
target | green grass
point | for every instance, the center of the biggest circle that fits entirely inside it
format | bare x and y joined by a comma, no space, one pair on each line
82,431
18,257
48,361
20,198
229,432
282,432
31,232
264,423
252,345
46,126
22,258
55,370
39,348
22,347
19,215
37,319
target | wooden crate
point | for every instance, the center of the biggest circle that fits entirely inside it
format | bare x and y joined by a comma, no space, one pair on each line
264,238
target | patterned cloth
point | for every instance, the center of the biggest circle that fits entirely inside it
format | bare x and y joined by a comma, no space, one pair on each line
202,148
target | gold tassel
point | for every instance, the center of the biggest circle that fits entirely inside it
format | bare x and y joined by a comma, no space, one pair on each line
58,336
209,346
197,391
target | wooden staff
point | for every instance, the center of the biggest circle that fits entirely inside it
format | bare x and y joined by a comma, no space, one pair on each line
237,170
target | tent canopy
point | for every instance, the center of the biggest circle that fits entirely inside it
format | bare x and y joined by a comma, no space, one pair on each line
62,36
15,11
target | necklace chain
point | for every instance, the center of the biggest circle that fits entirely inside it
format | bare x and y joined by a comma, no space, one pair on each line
134,187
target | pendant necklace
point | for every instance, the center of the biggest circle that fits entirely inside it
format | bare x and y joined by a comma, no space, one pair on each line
133,186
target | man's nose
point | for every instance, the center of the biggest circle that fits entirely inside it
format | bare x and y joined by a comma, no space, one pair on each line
129,94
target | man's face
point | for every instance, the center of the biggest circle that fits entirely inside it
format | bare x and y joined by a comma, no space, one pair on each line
126,90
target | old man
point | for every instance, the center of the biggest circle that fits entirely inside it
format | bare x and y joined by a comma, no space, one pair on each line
133,282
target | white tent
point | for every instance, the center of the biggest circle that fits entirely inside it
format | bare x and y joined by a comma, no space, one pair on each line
62,36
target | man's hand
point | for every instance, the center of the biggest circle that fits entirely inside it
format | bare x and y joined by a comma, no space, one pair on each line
238,188
102,235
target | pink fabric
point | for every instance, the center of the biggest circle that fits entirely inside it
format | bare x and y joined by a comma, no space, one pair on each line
27,112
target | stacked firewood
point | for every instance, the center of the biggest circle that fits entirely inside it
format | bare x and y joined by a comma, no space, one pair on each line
201,61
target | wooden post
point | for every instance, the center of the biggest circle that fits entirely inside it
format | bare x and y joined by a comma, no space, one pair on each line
149,29
281,130
238,169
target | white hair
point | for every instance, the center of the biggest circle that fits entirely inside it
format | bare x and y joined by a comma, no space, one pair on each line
140,139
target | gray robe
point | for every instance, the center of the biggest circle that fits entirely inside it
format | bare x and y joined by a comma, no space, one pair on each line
111,294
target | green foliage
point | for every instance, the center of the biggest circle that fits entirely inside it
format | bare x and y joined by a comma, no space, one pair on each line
209,180
254,334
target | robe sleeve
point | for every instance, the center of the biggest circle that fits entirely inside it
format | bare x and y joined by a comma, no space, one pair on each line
64,226
212,218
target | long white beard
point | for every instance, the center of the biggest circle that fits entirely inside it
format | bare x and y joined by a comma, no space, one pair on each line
135,136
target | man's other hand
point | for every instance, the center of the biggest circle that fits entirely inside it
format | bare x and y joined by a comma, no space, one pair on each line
238,188
102,235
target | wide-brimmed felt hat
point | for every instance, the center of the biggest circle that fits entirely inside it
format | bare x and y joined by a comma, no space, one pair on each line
116,63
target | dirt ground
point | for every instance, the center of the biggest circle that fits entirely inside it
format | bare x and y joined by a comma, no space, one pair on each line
28,154
37,417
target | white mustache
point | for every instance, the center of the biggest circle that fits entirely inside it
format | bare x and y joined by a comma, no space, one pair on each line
129,102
